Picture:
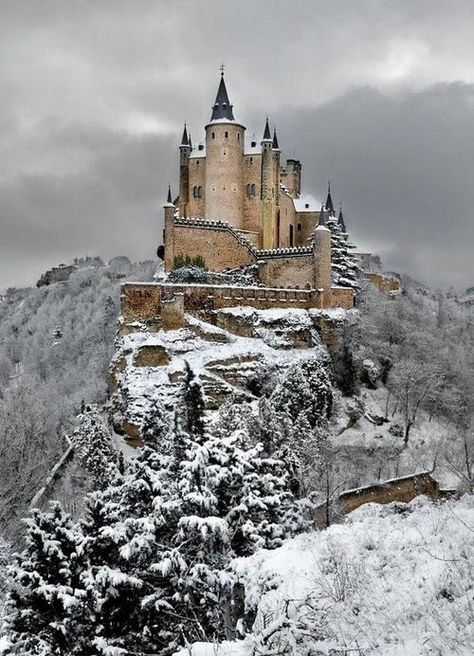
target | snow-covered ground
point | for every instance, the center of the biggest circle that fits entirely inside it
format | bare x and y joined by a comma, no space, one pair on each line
392,580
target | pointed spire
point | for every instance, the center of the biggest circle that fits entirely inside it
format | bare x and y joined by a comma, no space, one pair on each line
190,143
184,138
275,140
340,220
169,199
266,133
329,203
222,107
322,218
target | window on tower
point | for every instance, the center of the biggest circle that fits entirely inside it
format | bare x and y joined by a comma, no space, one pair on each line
212,135
253,190
226,134
195,192
299,227
199,193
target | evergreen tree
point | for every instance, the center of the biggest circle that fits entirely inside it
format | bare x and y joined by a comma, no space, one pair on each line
346,271
156,426
305,388
93,443
193,397
46,606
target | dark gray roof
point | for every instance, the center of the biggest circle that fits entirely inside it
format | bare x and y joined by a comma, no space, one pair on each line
169,200
184,138
222,107
275,140
340,220
329,203
266,133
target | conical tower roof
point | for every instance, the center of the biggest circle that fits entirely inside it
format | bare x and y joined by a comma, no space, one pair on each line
169,199
266,133
340,220
329,203
185,138
275,140
222,107
322,218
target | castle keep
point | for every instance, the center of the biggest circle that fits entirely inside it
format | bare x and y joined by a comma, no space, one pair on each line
237,206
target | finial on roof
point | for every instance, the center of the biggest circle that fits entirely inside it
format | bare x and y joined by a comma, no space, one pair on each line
184,138
266,133
275,140
329,203
222,107
169,199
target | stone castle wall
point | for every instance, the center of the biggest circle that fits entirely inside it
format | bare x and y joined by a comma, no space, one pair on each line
197,179
281,271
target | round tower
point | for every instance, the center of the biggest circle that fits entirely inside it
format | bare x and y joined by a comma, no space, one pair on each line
185,149
269,193
224,192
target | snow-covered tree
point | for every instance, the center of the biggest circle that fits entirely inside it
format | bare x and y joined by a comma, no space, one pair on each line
305,388
46,606
194,405
94,446
346,272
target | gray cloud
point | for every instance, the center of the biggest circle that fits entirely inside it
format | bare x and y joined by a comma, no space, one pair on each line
375,95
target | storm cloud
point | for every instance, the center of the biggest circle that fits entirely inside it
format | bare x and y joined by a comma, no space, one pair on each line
376,96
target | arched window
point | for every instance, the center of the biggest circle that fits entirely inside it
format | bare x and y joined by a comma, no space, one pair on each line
253,190
195,191
249,189
199,192
299,227
212,135
226,134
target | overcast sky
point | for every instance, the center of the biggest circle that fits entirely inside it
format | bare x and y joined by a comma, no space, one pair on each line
377,96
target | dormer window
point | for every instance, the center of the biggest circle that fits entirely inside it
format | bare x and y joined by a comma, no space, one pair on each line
253,144
201,147
306,205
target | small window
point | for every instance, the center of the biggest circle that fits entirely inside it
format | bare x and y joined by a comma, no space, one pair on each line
195,192
238,136
299,227
253,190
197,162
251,160
249,189
212,135
226,134
199,192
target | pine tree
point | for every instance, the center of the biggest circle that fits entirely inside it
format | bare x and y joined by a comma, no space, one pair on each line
156,426
47,613
193,397
305,388
346,271
94,446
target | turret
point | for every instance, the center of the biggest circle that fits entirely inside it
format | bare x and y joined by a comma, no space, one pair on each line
184,153
168,231
322,255
269,190
224,191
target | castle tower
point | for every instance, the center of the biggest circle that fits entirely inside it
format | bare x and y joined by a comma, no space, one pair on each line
322,255
185,149
269,190
168,231
224,192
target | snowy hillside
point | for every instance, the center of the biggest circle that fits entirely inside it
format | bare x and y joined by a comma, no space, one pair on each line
393,580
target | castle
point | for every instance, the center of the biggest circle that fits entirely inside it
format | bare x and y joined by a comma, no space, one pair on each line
238,206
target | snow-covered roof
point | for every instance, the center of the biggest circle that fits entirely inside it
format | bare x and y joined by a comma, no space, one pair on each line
195,153
252,149
307,203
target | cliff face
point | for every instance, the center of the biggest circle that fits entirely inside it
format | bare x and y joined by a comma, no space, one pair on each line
228,355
